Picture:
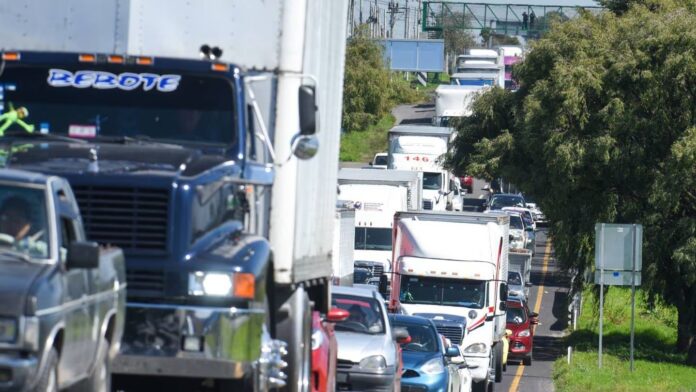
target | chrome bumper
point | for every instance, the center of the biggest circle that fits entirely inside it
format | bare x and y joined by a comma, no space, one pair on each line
229,341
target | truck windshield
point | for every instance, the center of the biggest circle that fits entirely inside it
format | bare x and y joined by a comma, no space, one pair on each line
108,101
23,221
373,238
440,291
500,201
426,145
432,181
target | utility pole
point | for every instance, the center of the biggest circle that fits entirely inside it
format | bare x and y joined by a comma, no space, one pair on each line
393,10
406,21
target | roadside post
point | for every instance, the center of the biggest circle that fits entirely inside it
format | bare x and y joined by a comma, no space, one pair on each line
619,257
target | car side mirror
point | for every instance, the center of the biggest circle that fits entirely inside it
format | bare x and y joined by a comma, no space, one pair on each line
82,254
533,315
308,110
511,238
527,284
337,315
401,335
452,352
534,321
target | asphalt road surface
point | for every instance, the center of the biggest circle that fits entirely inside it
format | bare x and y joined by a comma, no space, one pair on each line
548,298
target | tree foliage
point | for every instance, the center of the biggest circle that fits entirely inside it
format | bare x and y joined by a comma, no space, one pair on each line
603,129
369,88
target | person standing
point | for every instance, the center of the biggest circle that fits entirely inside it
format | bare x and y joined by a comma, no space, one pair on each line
532,18
525,19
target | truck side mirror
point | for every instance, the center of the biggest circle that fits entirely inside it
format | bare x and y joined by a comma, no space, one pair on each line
452,352
308,110
83,255
383,284
337,315
503,306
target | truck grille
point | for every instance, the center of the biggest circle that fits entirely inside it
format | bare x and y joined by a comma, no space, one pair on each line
454,334
145,283
130,218
427,204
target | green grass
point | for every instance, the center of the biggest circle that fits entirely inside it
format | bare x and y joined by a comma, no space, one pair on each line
658,366
361,146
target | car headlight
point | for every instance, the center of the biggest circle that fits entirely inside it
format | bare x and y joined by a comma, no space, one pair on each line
8,330
433,366
374,363
524,334
317,339
476,348
221,284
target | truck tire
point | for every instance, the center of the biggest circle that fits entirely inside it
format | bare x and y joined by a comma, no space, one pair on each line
498,358
48,381
99,379
294,328
480,386
527,361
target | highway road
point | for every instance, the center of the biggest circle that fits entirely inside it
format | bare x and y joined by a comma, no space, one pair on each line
548,297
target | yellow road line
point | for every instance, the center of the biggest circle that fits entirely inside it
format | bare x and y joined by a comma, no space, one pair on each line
537,306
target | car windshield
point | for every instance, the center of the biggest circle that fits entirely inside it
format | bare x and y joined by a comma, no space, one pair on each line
120,101
432,181
516,222
381,160
514,278
365,314
439,291
515,315
423,338
372,238
500,201
23,221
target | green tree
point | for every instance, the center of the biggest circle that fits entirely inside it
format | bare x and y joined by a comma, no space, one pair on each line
602,129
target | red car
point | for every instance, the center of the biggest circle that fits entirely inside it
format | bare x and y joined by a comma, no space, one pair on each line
324,349
521,322
467,183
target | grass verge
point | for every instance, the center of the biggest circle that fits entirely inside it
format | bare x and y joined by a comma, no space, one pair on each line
361,146
657,367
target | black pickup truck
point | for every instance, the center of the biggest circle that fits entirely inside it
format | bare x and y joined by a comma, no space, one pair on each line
62,299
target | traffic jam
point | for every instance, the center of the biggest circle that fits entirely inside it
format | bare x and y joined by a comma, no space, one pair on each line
173,215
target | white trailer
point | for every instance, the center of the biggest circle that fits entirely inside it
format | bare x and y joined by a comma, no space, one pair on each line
377,195
522,259
456,264
452,101
279,47
344,238
421,148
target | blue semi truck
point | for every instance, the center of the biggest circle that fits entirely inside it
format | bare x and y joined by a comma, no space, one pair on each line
216,178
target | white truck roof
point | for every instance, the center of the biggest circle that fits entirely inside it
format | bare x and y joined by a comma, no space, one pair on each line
421,130
364,176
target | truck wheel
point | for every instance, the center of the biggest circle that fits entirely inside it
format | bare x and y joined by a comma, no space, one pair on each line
498,358
100,378
294,328
527,361
481,386
48,381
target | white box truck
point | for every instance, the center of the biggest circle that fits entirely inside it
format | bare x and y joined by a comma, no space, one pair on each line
377,195
456,264
522,259
453,102
273,70
421,148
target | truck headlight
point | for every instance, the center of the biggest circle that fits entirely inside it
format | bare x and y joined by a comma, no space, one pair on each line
433,366
8,330
221,284
374,363
476,348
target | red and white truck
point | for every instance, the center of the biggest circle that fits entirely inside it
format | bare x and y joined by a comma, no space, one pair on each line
449,263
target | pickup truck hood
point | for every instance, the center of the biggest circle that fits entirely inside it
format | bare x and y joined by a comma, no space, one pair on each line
16,279
356,346
112,158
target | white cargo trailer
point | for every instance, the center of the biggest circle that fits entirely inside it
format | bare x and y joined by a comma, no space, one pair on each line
344,237
448,263
279,47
